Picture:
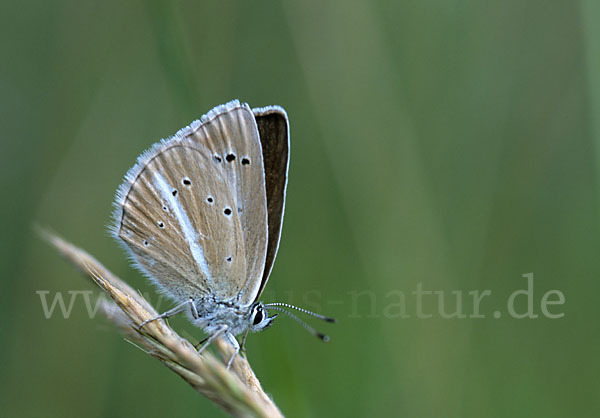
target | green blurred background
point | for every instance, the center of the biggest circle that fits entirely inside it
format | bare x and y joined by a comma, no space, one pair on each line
449,143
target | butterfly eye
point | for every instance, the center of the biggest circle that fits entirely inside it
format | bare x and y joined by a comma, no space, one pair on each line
258,316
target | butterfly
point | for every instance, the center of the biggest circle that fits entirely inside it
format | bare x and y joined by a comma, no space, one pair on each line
201,214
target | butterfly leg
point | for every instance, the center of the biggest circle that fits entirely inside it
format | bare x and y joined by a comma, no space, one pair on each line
198,345
243,344
236,346
212,337
177,309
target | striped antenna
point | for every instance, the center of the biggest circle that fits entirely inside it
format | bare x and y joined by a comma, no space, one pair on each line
307,327
306,311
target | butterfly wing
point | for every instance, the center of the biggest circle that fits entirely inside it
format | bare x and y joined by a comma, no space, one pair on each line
273,127
192,211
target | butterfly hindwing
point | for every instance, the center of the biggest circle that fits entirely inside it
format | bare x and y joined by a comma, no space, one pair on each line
193,209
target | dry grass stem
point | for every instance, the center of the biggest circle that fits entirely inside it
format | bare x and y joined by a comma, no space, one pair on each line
237,390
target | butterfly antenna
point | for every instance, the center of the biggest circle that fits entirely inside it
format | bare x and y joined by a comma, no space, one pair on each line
307,327
306,311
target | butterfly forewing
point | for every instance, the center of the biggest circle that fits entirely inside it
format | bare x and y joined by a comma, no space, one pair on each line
235,141
273,128
192,214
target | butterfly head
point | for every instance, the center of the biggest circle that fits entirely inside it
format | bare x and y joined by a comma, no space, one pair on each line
259,318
